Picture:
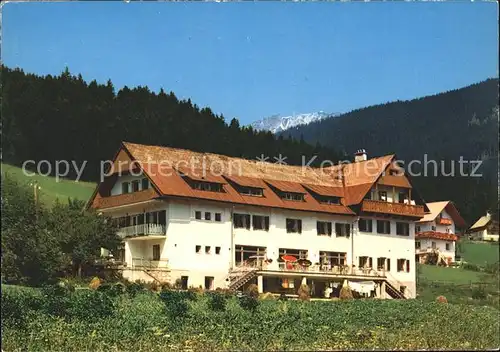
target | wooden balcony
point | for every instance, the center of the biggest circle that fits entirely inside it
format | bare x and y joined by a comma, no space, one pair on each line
124,199
142,230
444,221
376,206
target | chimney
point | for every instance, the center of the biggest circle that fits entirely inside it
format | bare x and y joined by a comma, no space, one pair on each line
360,155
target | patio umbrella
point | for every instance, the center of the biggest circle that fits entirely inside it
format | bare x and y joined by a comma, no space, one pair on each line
289,258
304,262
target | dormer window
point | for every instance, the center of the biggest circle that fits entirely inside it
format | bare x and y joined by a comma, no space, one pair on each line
135,186
145,183
206,186
329,200
382,196
292,196
125,188
251,191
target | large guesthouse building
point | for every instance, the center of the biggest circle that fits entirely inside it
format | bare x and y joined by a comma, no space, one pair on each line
199,219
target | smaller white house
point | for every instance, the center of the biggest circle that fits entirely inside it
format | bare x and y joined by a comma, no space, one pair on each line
436,232
484,229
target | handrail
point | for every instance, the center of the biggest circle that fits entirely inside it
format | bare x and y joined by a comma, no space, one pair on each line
147,263
142,229
408,291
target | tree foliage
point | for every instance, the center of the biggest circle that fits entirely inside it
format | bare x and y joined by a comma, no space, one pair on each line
39,244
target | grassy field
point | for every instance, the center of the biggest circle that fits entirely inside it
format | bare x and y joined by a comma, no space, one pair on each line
87,320
479,253
51,189
456,276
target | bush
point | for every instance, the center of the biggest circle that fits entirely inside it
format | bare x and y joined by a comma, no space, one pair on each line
268,296
216,301
472,267
175,303
441,299
133,288
283,297
304,293
252,291
478,292
345,293
248,302
18,304
88,305
112,290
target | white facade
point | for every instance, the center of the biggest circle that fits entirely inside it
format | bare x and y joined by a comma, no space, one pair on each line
199,249
445,247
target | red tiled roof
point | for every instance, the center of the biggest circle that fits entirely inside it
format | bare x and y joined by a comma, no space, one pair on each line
437,235
351,182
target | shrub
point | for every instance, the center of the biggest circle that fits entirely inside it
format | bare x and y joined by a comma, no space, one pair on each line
304,293
133,288
18,304
345,293
216,301
95,283
178,283
248,302
283,297
196,290
166,286
441,299
175,302
268,296
89,305
252,291
112,290
478,292
470,266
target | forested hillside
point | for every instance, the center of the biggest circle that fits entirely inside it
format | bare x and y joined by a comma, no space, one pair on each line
64,118
446,126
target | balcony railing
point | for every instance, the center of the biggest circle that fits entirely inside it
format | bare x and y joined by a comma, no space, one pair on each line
148,263
142,230
326,269
444,221
424,250
376,206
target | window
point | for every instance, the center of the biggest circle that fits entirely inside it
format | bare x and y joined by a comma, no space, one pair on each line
197,215
393,172
251,191
125,187
417,245
433,245
403,229
292,196
156,252
402,197
207,250
365,225
198,249
365,262
382,195
417,228
433,228
241,221
332,258
324,228
403,265
384,263
209,282
447,230
328,199
384,227
218,217
297,253
135,186
447,246
342,230
145,183
260,222
208,215
206,186
368,195
293,225
217,250
246,255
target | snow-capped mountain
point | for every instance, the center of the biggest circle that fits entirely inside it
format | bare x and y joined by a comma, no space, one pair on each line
278,123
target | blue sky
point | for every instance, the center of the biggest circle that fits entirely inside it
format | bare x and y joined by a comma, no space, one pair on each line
252,60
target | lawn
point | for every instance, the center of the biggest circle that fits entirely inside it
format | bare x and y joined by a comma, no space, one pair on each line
479,252
457,276
50,188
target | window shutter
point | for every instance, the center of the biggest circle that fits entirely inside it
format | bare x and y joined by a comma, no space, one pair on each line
407,266
329,228
266,222
163,217
370,262
248,221
299,224
348,230
388,264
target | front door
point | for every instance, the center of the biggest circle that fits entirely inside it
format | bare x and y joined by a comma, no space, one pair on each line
156,252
